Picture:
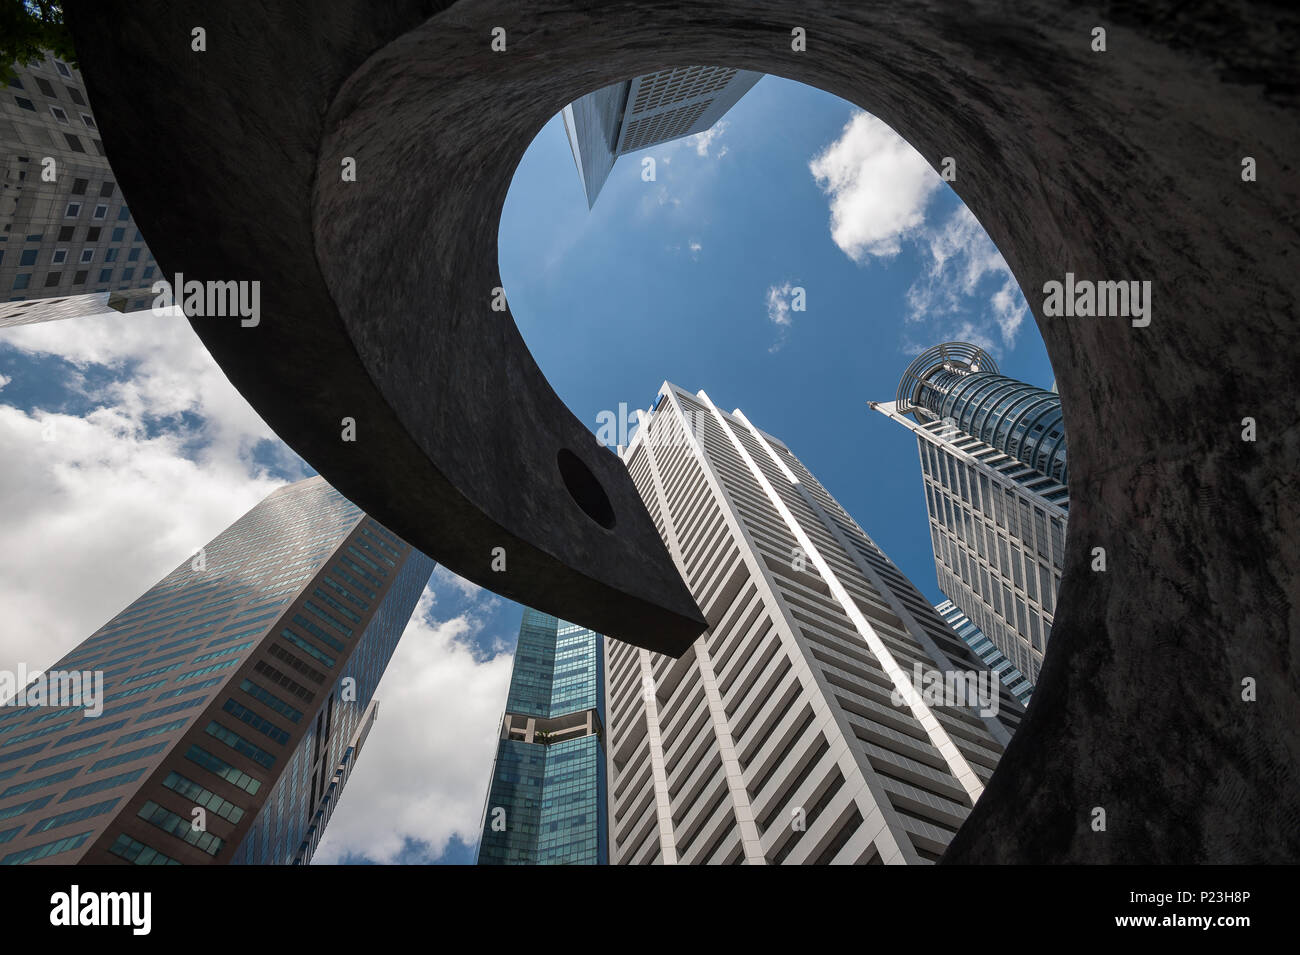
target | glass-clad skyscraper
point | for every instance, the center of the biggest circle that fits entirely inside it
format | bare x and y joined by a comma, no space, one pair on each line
236,693
645,111
986,650
546,802
993,462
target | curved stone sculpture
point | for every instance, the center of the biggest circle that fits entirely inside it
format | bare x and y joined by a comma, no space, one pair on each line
1118,165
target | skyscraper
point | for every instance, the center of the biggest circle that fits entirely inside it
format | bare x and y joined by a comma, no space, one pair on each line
32,311
546,802
986,650
236,693
993,463
65,229
793,730
645,111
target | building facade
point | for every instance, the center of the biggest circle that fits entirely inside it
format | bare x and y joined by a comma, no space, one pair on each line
236,694
65,228
646,111
546,802
986,650
993,464
793,730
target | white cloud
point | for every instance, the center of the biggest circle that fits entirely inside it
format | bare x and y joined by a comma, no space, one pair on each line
779,298
98,507
704,141
466,588
878,186
694,247
4,381
880,189
962,259
424,771
778,304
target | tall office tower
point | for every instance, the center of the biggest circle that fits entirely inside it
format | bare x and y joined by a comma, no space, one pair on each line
776,737
992,455
239,685
31,311
986,650
65,229
546,800
647,111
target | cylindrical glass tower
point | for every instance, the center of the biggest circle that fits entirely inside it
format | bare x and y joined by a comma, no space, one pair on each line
958,381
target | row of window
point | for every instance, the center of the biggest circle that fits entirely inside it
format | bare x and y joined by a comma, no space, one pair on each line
74,141
82,276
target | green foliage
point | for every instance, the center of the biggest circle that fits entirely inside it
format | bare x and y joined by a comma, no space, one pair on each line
28,30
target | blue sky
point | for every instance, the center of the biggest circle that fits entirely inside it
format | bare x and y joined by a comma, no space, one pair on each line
670,280
125,448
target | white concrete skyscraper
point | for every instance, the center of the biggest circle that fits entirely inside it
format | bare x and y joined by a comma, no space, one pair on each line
993,462
646,111
792,731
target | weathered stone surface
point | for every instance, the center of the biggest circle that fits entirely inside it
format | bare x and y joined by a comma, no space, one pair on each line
1115,165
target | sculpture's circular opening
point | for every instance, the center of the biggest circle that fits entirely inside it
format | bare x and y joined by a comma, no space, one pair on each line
585,489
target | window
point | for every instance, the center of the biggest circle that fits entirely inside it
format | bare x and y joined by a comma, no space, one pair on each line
46,87
59,257
59,114
124,214
171,823
74,94
99,147
23,856
87,255
52,279
74,143
139,236
133,255
128,275
15,82
25,103
63,68
148,272
89,121
80,277
79,186
106,190
92,234
74,210
139,853
111,255
101,211
106,275
22,281
118,235
220,767
28,257
65,233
